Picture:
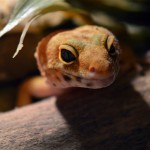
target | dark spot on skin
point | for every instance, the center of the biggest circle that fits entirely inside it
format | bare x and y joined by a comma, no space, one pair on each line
58,78
54,84
66,78
96,28
89,84
78,79
2,15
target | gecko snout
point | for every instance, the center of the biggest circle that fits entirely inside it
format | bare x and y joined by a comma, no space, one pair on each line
101,69
92,69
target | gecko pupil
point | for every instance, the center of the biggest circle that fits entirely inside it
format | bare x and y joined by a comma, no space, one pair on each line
67,56
112,50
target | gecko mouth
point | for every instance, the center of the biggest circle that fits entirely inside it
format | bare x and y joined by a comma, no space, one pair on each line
78,81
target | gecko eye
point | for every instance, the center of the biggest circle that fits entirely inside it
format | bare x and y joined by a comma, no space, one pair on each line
112,50
67,54
110,47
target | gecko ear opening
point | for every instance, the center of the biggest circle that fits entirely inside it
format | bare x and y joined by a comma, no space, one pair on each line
67,54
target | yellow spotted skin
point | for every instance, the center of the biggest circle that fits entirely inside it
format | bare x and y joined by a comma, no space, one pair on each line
86,56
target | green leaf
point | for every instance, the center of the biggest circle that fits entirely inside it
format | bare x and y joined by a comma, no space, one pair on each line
32,8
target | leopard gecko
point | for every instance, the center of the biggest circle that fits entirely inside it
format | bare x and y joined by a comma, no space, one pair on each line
87,56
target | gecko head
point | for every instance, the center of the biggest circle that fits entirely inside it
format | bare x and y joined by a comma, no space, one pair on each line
87,56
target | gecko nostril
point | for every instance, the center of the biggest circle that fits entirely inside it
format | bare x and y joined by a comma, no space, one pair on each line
92,69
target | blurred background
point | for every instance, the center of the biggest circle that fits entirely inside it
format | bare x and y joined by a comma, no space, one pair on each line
129,20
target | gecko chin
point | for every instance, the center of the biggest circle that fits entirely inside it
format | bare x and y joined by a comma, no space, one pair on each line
98,83
77,81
